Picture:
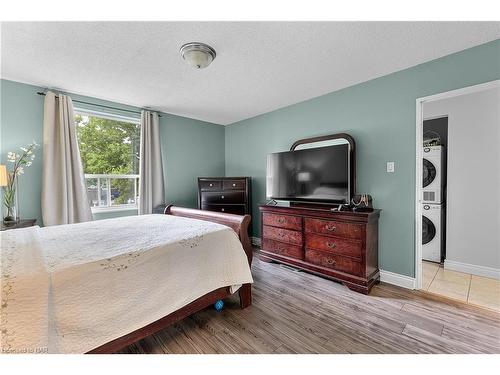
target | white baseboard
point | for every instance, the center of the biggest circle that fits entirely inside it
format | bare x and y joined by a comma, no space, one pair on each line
472,269
255,241
385,276
397,279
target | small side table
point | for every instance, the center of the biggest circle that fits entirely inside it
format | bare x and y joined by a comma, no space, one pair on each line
20,224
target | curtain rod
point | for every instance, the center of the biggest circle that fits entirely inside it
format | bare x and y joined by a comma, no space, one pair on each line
98,105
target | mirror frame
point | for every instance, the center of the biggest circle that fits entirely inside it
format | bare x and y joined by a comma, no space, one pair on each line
352,154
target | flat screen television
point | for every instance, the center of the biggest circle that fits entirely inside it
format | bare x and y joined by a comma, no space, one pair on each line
316,175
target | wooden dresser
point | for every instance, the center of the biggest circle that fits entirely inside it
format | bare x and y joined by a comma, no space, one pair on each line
339,245
225,194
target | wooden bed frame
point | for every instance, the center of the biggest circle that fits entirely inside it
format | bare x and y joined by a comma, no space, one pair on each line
240,225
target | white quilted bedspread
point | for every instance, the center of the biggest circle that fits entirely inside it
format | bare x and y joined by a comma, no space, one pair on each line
72,288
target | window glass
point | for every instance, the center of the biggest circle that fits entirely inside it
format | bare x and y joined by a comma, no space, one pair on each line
109,151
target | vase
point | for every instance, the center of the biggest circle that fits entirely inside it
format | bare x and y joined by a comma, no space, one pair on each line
11,201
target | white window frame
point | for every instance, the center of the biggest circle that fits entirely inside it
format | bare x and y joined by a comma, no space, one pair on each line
108,177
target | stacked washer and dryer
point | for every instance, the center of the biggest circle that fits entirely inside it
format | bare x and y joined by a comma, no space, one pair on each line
433,204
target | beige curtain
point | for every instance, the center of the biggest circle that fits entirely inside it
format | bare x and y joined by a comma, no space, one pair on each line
151,186
64,196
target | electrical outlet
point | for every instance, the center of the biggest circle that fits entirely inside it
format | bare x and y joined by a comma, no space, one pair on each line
390,167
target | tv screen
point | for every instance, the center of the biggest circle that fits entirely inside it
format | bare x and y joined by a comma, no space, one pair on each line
315,174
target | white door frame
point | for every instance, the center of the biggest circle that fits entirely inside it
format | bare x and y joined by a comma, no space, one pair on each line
418,163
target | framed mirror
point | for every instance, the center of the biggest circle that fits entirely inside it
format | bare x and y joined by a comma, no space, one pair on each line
331,140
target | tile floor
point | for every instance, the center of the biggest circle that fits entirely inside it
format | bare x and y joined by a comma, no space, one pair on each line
476,290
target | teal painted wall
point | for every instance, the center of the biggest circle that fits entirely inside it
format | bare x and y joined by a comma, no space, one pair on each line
194,149
190,148
380,115
21,122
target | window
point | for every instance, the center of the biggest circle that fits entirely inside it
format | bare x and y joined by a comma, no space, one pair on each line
109,148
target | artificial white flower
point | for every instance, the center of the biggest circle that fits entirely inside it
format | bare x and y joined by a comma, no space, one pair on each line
24,149
28,164
20,170
33,157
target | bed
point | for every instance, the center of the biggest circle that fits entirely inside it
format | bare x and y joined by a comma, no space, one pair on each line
97,287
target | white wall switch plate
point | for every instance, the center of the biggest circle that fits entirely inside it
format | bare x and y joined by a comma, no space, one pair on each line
390,167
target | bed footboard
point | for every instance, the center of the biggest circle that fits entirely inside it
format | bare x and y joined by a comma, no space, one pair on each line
238,223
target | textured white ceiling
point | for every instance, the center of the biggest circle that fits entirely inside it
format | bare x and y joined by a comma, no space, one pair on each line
260,66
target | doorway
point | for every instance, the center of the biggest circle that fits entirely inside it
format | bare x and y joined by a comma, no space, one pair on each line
457,249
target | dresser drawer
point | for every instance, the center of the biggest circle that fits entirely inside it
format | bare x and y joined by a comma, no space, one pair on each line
222,197
335,245
282,221
234,184
210,185
336,262
238,209
284,249
283,235
334,228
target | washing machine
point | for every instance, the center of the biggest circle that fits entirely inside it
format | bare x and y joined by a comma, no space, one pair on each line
432,232
432,173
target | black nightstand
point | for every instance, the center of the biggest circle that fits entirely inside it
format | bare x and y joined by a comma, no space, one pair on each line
20,224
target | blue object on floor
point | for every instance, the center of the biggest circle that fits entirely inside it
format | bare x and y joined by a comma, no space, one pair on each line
219,305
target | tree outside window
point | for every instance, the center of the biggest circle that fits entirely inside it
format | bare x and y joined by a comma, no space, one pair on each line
109,147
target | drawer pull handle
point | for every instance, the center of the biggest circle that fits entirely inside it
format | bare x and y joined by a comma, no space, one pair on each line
281,220
234,185
211,185
331,245
330,260
222,209
222,197
331,228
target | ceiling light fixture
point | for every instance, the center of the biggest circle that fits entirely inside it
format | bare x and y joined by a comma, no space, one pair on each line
198,55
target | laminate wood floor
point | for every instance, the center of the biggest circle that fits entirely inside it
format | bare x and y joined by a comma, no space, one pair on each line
295,312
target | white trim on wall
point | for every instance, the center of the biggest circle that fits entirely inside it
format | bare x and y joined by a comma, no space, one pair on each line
472,269
418,163
397,279
418,192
